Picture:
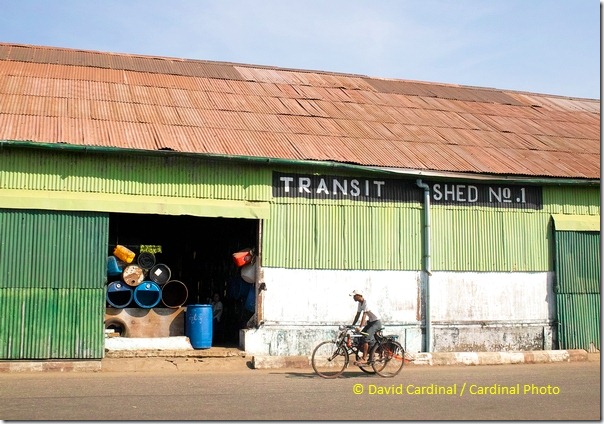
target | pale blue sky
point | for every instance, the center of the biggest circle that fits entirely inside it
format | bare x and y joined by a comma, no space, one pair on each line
543,46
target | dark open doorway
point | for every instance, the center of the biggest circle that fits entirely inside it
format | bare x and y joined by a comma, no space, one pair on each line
198,252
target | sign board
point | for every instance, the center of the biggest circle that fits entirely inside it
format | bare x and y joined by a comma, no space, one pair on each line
311,186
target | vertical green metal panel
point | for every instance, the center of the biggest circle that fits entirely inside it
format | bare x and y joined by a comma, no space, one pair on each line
578,288
462,238
577,262
483,239
133,174
578,320
288,237
328,236
342,236
52,284
48,249
571,200
51,323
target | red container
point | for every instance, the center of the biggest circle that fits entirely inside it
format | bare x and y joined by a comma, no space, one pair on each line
242,257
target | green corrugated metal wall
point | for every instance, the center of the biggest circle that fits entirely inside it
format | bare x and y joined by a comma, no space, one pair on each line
571,200
43,249
135,175
48,323
322,234
489,239
578,289
319,234
52,284
354,236
301,233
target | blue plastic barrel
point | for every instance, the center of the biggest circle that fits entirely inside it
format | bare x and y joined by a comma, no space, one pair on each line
147,294
199,326
250,300
119,294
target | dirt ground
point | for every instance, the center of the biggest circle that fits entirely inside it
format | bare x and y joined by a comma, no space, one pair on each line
213,364
236,363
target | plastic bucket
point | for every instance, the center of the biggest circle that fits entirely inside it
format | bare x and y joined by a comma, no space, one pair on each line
160,274
119,295
199,326
248,273
174,294
133,275
242,257
113,268
146,260
147,294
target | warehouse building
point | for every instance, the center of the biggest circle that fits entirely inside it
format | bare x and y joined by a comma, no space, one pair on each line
469,216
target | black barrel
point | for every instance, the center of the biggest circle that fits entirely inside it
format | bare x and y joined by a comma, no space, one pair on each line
146,260
160,274
174,294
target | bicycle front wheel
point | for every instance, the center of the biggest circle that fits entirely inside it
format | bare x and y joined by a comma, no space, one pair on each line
329,359
388,358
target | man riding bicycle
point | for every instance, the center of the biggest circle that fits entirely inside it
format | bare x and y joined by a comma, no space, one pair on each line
370,323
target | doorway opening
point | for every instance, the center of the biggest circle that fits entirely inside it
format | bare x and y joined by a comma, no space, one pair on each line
197,251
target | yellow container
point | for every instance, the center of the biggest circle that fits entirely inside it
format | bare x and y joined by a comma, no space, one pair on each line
123,253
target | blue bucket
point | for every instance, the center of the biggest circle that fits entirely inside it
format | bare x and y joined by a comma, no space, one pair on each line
199,326
147,294
113,268
119,294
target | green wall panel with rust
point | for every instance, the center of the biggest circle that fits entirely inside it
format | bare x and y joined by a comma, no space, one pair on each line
50,249
44,323
130,174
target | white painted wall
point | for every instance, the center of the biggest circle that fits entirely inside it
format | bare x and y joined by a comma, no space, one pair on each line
302,297
491,296
483,311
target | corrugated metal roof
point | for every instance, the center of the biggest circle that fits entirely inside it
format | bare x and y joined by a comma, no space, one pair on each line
56,95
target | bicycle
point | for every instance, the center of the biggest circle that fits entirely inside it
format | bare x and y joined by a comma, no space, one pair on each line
330,358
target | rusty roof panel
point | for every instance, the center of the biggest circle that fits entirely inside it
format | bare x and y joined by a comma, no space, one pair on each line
142,102
4,51
145,64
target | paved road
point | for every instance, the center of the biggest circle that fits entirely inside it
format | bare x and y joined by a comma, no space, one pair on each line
561,391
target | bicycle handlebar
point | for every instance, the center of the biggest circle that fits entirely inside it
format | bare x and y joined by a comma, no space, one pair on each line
353,327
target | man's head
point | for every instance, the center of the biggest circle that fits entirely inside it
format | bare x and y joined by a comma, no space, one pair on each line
357,295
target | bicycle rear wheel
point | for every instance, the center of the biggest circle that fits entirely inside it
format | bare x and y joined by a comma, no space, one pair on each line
388,358
329,359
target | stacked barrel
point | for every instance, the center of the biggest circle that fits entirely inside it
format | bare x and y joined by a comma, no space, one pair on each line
144,283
